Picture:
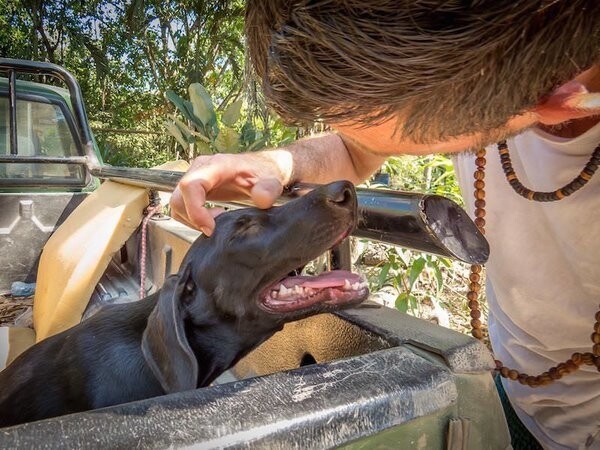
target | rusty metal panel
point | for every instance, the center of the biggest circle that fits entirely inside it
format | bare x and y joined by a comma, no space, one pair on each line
26,223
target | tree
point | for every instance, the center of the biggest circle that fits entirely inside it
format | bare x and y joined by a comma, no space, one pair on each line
126,56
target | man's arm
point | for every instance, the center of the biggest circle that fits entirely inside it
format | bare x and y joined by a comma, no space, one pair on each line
329,157
261,176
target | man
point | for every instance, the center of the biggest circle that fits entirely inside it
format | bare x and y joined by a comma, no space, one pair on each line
407,77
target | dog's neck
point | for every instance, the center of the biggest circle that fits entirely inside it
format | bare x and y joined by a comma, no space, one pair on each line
220,346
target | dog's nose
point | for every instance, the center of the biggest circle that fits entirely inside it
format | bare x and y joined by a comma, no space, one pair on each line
341,193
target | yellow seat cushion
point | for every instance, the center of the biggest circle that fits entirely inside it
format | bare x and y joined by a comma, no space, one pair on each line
78,253
13,342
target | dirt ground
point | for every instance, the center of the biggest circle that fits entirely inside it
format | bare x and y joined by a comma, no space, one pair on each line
11,308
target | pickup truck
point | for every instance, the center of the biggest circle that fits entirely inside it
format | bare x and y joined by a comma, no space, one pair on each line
369,377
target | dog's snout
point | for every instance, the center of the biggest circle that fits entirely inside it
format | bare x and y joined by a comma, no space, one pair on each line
341,193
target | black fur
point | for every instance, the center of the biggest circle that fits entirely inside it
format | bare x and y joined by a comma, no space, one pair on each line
204,319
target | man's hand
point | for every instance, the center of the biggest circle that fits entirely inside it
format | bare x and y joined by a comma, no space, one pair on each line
258,176
261,176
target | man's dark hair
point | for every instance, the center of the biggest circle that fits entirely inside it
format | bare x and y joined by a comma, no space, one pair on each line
449,66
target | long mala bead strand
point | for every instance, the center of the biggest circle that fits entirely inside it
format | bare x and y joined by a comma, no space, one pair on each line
573,186
577,359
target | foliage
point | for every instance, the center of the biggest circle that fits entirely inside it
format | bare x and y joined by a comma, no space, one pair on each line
411,274
440,178
203,131
414,274
126,55
433,174
133,149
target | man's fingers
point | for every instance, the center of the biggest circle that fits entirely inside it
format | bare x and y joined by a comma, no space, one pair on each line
180,218
265,192
193,188
191,207
201,219
220,177
176,203
180,213
214,212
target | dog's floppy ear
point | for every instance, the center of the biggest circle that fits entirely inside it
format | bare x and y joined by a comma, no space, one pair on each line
164,344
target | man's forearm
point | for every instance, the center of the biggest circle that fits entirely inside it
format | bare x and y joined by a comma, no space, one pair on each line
324,158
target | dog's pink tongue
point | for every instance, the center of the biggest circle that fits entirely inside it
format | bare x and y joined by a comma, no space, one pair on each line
335,278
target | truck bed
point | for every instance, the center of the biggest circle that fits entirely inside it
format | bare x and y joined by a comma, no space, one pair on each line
118,285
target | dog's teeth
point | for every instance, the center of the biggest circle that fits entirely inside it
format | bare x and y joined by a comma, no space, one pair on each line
355,286
283,291
298,290
347,285
274,294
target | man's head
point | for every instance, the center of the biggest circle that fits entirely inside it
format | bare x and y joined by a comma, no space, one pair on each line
434,69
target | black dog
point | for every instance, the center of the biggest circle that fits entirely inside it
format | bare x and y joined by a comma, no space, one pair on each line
230,295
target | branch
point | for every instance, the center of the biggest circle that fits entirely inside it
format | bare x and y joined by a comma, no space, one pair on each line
148,52
228,97
38,25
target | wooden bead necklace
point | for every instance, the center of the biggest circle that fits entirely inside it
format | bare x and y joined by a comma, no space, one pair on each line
577,359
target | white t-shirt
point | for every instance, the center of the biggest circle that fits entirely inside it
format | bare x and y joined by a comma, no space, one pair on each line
543,284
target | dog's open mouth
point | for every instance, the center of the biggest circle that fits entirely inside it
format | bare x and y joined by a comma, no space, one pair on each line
335,288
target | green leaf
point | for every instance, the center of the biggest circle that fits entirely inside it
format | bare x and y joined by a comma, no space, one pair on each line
446,262
176,133
202,104
228,141
402,302
257,145
286,141
203,148
412,303
184,129
248,134
232,113
383,275
391,257
201,135
197,123
438,276
415,271
401,258
179,103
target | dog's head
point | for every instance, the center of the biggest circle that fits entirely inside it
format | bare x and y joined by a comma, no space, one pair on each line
236,282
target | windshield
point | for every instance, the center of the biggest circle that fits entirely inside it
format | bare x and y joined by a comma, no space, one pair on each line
42,130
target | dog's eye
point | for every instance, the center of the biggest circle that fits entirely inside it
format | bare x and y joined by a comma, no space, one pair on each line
247,225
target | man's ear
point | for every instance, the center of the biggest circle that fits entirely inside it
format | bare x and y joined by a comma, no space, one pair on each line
164,343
